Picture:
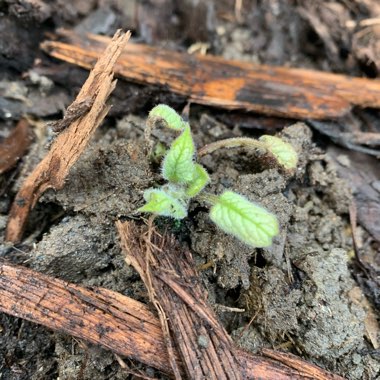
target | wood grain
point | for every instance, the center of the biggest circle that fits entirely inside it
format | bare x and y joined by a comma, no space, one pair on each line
99,316
113,321
13,147
70,144
174,287
210,80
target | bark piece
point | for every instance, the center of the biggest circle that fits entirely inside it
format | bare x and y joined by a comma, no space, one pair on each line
346,135
99,316
205,348
69,145
309,370
14,146
210,80
109,319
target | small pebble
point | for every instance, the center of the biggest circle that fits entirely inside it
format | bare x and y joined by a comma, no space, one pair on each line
344,160
203,341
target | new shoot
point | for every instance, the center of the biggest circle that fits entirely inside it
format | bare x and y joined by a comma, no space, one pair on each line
186,179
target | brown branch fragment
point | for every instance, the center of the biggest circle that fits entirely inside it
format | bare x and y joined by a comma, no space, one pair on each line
205,348
74,112
14,146
177,293
210,80
292,361
99,316
109,319
69,145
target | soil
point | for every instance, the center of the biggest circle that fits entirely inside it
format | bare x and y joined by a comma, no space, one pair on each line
298,295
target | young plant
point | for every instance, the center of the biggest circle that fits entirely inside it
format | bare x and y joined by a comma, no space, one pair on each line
186,179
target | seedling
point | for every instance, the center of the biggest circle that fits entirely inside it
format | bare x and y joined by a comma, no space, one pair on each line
279,150
186,179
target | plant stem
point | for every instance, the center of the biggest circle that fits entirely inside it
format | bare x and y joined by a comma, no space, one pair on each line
232,143
208,198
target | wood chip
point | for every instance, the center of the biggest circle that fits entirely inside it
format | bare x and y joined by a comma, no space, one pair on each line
14,146
70,144
210,80
99,316
308,370
203,345
108,319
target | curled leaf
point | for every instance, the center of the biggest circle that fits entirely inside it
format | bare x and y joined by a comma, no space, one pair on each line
178,165
281,150
169,116
245,220
161,203
199,181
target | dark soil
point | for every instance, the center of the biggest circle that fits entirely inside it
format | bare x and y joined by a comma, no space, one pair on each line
298,295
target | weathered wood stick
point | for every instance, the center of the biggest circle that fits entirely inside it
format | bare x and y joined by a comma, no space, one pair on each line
168,271
210,80
15,145
109,319
99,316
70,144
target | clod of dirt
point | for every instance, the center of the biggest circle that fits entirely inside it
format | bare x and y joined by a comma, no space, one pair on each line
263,184
316,315
78,250
107,181
249,339
299,135
228,255
332,325
314,225
324,178
72,250
274,301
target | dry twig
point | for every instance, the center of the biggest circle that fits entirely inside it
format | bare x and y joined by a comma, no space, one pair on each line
69,145
204,346
210,80
113,321
14,146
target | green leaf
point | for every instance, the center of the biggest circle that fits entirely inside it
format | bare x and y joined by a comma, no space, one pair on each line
178,165
199,181
281,150
169,116
245,220
161,203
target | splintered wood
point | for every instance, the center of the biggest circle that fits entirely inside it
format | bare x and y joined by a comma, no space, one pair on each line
190,328
174,289
99,316
69,145
120,324
210,80
14,146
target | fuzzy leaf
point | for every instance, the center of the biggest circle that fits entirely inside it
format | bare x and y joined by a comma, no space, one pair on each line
169,116
245,220
161,203
281,150
199,181
178,165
